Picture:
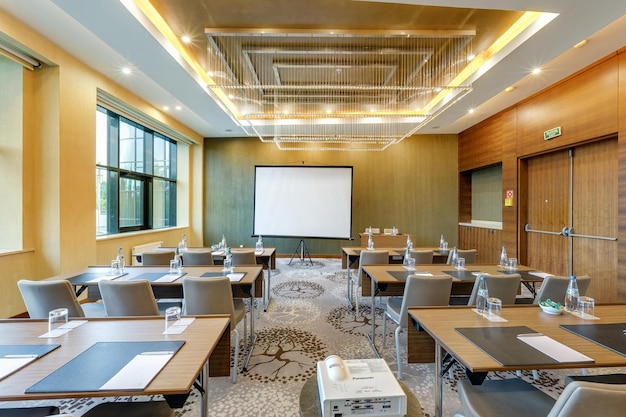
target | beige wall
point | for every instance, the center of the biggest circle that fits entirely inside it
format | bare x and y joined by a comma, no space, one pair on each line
59,172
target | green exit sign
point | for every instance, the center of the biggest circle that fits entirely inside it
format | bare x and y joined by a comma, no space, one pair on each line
552,133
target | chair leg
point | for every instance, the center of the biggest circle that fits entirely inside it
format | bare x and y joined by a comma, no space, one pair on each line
356,299
245,332
236,359
384,330
398,358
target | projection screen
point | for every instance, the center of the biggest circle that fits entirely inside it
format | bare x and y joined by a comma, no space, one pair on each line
303,201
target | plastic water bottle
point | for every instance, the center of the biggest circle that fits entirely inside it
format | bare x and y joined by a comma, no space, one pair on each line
454,260
441,240
571,295
482,294
504,259
370,242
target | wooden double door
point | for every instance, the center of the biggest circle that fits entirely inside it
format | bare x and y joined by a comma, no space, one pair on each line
569,214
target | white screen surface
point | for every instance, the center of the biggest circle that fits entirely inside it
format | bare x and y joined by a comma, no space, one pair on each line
300,201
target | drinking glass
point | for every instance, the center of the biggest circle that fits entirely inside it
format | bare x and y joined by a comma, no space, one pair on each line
494,307
512,263
460,263
586,306
173,266
410,262
172,315
56,318
444,246
115,267
228,265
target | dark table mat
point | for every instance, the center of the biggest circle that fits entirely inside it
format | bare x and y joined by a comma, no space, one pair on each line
502,344
526,276
610,336
39,350
221,274
88,276
462,274
403,275
96,365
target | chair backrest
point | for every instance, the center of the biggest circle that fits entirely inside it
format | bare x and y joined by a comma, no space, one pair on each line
128,298
554,287
371,257
157,257
580,398
422,256
197,257
469,255
425,291
211,295
504,287
41,297
243,257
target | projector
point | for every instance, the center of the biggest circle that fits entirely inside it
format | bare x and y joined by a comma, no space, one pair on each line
359,387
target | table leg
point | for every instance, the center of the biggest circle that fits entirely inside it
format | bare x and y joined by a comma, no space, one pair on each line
252,334
372,337
204,395
438,380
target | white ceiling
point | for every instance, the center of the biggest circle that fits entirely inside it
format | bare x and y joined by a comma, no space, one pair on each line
103,34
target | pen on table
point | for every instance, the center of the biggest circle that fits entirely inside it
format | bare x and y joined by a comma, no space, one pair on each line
165,352
529,334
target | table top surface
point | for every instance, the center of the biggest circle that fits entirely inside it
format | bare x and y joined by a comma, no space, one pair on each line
132,272
177,377
380,273
441,323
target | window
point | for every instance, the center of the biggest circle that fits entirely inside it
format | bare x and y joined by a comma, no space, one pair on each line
135,176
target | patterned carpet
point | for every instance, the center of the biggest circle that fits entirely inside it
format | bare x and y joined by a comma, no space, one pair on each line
307,320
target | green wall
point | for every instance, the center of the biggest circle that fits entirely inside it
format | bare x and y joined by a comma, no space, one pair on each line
412,185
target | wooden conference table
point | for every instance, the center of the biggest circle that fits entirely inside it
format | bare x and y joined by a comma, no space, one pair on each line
389,280
442,324
350,256
206,344
246,287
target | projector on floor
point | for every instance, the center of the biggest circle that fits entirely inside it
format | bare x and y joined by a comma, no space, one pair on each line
359,387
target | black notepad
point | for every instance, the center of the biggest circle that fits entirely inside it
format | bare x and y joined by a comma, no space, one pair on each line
462,274
220,274
98,364
611,336
39,350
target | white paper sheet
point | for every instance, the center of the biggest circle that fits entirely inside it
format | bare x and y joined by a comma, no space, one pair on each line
72,324
138,373
495,319
420,273
539,274
106,277
12,363
59,331
236,277
556,350
169,277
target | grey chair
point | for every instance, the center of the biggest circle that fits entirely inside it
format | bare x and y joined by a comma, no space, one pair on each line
517,398
504,287
470,256
418,291
197,257
367,257
554,288
243,257
157,257
422,256
40,297
215,296
128,298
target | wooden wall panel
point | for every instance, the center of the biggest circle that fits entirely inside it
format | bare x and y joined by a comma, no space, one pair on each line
585,107
481,145
621,87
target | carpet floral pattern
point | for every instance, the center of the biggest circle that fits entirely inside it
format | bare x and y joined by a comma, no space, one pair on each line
308,319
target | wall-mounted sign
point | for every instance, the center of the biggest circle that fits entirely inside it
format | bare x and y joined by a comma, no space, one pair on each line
508,201
552,133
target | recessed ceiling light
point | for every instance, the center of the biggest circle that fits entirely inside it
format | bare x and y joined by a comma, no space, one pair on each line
471,57
581,44
470,111
536,70
210,73
178,108
166,108
126,70
509,89
185,39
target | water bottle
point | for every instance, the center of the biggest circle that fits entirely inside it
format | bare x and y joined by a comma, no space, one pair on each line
259,245
504,259
407,255
482,294
571,295
223,244
120,260
369,231
441,240
455,257
184,242
409,243
370,242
